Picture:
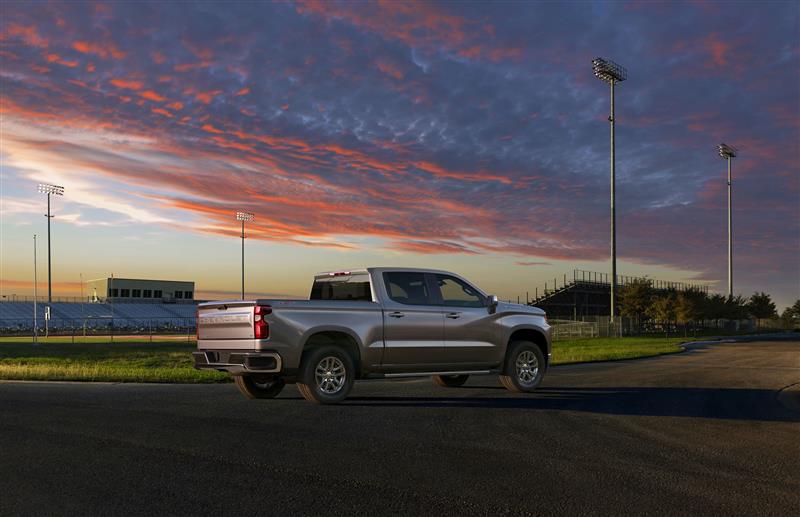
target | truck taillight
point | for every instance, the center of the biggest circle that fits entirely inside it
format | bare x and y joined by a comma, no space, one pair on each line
260,325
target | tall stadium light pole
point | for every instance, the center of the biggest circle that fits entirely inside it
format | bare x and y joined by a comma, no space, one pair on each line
611,73
243,216
35,282
729,152
46,188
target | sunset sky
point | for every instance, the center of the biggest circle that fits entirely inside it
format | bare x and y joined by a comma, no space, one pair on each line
465,136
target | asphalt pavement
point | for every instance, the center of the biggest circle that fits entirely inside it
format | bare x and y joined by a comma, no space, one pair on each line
708,431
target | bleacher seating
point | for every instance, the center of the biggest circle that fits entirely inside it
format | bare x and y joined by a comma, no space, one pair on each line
18,316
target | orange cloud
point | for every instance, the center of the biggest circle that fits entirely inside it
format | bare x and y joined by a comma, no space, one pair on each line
28,34
127,85
153,96
177,106
207,97
718,49
211,129
243,91
162,112
55,58
416,23
103,50
185,67
389,68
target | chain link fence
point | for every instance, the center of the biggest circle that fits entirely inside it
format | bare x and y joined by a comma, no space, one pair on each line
601,326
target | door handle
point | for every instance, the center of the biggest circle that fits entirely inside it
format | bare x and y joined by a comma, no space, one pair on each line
453,315
396,314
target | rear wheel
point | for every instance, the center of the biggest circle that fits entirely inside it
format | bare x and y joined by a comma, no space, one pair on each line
450,381
255,387
524,368
326,375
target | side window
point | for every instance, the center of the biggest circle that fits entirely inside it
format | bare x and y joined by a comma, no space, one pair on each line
408,288
456,293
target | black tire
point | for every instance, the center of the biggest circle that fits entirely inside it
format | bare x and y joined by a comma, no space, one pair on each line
254,387
520,374
326,375
450,381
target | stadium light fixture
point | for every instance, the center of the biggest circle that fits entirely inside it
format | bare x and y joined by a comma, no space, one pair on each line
243,217
611,73
728,152
56,190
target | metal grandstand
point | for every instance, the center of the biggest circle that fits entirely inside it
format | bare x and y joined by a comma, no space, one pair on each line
17,317
587,293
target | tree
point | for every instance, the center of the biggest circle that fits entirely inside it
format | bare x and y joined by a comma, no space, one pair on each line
716,307
689,306
761,306
736,308
662,309
635,298
792,314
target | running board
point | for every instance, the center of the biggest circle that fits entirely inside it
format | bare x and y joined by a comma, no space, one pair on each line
428,374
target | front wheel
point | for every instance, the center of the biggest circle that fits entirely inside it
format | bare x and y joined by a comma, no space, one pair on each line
254,387
326,375
450,381
524,367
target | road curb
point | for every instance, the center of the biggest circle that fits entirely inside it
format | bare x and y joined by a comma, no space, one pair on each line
789,397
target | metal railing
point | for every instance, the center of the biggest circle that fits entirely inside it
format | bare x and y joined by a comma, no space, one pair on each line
100,326
604,279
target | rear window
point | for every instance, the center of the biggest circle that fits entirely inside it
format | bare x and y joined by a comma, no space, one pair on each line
355,288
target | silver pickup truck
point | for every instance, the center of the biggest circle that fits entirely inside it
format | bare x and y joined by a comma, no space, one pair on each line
373,323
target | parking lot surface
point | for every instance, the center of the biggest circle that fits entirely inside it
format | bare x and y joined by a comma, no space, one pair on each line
705,431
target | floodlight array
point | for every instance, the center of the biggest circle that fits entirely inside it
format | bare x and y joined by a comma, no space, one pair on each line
244,216
609,71
727,151
47,188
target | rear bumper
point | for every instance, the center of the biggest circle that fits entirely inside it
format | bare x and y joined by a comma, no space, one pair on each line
238,362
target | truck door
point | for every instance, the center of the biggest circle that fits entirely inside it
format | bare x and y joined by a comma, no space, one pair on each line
470,333
413,324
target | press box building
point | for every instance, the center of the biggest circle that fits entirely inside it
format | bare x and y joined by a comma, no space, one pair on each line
127,290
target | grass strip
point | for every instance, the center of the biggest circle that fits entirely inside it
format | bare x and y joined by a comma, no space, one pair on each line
585,350
117,362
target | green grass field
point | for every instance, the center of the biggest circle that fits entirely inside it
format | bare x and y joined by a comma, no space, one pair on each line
613,349
117,362
168,360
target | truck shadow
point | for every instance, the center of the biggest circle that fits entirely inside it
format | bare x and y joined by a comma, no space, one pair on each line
721,403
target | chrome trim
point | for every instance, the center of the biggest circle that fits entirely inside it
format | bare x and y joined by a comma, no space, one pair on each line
242,366
428,374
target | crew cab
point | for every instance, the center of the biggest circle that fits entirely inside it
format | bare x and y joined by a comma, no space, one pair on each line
373,323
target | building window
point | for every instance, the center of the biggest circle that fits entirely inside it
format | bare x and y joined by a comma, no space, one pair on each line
156,294
113,293
147,293
178,294
187,295
136,293
124,293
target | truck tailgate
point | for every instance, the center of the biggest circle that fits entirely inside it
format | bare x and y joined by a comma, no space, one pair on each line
228,321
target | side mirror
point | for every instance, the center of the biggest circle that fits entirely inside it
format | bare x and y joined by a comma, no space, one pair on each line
492,303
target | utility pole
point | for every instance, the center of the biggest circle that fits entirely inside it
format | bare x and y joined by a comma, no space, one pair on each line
243,216
611,73
35,281
729,152
47,188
